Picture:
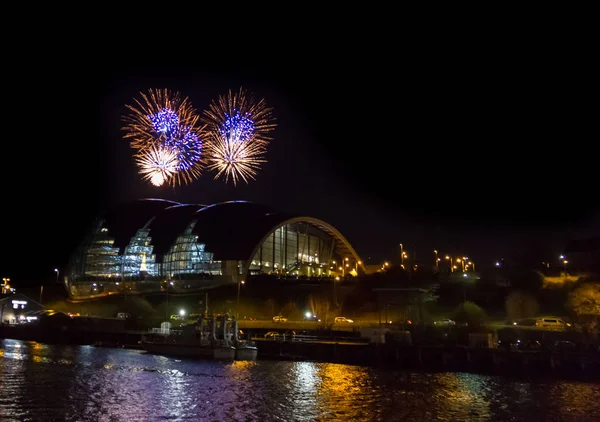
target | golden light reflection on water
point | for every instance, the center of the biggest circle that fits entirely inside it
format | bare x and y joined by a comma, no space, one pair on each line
242,365
338,380
574,394
462,391
129,385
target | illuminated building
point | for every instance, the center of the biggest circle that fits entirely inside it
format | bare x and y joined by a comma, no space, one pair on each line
150,245
18,308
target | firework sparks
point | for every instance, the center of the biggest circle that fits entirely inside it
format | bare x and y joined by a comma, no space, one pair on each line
239,126
164,120
235,160
157,165
241,111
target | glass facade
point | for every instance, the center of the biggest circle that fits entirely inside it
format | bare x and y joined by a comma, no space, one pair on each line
154,259
188,257
138,258
97,259
298,249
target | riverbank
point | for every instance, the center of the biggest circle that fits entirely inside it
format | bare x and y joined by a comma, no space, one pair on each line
430,358
559,364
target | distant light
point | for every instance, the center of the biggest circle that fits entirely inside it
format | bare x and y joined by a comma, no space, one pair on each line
56,270
465,275
497,264
562,257
182,312
308,315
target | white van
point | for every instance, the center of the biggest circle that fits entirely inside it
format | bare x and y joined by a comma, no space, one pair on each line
551,322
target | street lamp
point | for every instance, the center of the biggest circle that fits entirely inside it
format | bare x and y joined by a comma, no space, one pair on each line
401,255
170,283
57,272
437,261
449,258
238,298
5,285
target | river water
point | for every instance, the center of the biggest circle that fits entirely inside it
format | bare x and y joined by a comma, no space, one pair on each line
40,382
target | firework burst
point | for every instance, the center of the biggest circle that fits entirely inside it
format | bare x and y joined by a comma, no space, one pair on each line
163,120
234,160
239,127
240,111
157,165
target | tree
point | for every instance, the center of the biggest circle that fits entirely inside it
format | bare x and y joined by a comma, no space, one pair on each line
470,313
319,305
270,306
520,304
584,301
291,311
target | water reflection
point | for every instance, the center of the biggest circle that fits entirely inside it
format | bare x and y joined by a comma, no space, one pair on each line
50,382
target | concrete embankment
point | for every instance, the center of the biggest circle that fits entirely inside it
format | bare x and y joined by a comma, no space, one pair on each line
580,365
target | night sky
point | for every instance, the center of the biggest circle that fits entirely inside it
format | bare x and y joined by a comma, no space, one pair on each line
482,155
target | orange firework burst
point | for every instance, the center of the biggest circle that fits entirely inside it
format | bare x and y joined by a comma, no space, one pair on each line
157,165
164,122
239,127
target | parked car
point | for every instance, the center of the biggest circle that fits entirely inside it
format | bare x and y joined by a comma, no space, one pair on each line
272,335
509,344
530,345
564,345
551,322
444,322
343,320
279,318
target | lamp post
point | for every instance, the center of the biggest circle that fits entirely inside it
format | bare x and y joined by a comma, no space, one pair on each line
57,272
5,285
238,298
170,283
401,255
437,261
449,258
356,266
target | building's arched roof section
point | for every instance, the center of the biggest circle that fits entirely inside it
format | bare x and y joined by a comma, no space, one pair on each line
169,224
231,230
127,218
342,246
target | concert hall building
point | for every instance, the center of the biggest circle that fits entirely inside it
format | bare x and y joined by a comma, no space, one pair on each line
150,245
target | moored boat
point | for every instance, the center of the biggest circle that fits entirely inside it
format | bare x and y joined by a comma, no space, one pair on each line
209,337
245,351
